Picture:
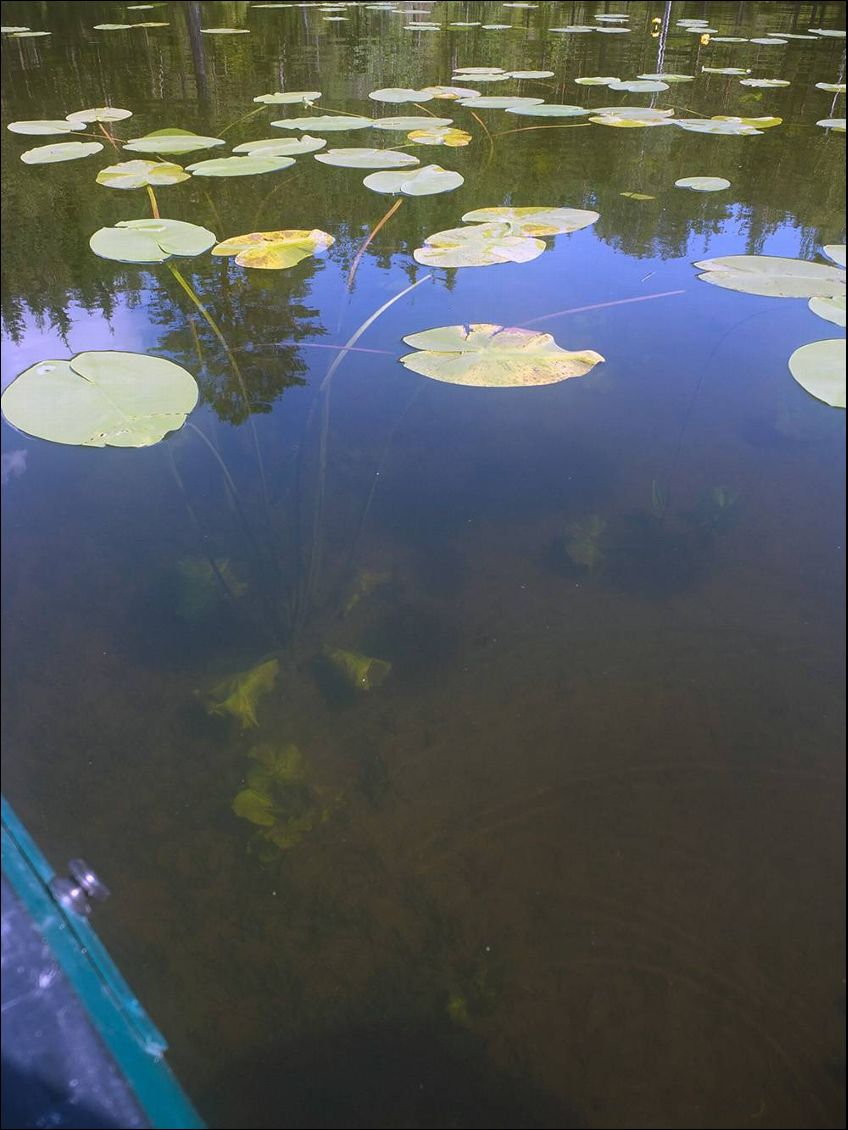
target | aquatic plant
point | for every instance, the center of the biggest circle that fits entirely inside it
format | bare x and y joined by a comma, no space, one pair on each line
361,672
239,694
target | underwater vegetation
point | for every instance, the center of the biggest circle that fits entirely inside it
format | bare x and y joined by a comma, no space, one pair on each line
239,694
361,672
197,592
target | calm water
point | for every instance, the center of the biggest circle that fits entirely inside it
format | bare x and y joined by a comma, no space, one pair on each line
582,860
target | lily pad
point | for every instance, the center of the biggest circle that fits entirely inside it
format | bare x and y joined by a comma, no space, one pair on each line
597,80
726,70
703,184
30,34
239,695
547,110
281,146
495,102
502,77
150,241
11,29
172,141
831,87
139,174
45,127
535,221
367,158
574,29
767,83
60,151
255,807
835,252
410,122
831,309
531,74
112,27
275,250
637,195
819,368
769,41
100,114
480,70
718,128
441,135
758,123
629,122
451,93
426,181
399,94
224,31
325,122
637,113
639,86
490,356
831,33
668,78
836,124
479,245
112,398
305,97
773,275
248,166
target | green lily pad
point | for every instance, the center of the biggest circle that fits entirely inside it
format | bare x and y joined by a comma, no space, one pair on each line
733,39
255,807
281,146
305,97
726,70
597,80
426,181
112,27
172,141
399,94
617,122
30,34
479,245
275,250
100,399
535,221
60,151
239,695
703,184
635,113
547,110
362,672
480,70
45,127
451,93
717,128
496,102
769,41
441,135
831,87
367,158
835,252
773,275
324,123
100,114
574,29
150,241
248,166
819,368
639,86
410,122
671,78
139,174
637,195
836,124
831,309
531,74
224,31
489,356
767,83
765,122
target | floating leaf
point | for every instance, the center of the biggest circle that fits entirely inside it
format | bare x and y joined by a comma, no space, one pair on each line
718,128
831,309
239,695
732,39
324,123
726,70
306,97
757,123
773,275
360,671
769,41
547,110
100,114
45,127
703,184
112,27
150,241
101,399
441,135
172,141
30,34
366,158
426,181
573,28
597,80
60,151
627,123
139,174
667,78
480,245
837,124
248,166
637,195
639,86
489,356
836,252
281,146
637,113
831,87
832,33
531,74
768,83
502,77
255,807
274,250
410,122
819,368
496,102
224,31
399,94
10,30
535,221
451,93
480,70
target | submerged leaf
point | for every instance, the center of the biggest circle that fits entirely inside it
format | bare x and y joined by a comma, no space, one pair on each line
274,250
100,399
240,694
773,275
820,369
490,356
426,181
139,174
60,151
362,672
255,807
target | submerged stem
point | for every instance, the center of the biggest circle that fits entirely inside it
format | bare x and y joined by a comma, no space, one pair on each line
238,121
524,129
364,246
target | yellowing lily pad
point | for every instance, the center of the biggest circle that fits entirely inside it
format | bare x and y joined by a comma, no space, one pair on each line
703,184
617,122
535,221
426,181
757,123
275,250
773,275
139,174
60,151
637,195
479,245
366,158
305,97
637,113
150,241
820,369
172,141
490,356
96,399
441,135
240,694
451,93
249,166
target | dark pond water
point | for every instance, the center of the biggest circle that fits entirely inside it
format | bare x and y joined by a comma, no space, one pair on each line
578,860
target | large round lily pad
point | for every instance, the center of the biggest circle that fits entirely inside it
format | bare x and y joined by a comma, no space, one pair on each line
640,85
399,94
703,184
773,275
478,245
426,181
325,122
103,399
831,309
275,250
490,356
716,128
367,158
281,146
150,241
547,110
139,174
451,93
820,369
172,141
60,151
44,127
535,221
100,114
249,166
500,102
